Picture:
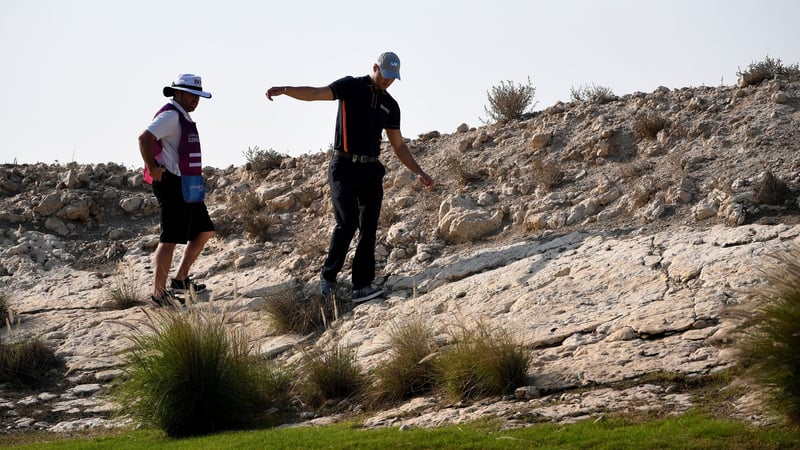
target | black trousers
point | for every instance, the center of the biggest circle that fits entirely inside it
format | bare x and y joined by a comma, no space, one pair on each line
357,194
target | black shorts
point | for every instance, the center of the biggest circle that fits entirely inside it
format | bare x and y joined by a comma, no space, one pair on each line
180,221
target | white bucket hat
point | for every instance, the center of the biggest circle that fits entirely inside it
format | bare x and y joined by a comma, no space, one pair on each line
187,82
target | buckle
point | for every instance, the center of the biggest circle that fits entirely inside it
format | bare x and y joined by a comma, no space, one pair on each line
358,158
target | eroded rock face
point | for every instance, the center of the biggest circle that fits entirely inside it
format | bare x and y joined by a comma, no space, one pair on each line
608,256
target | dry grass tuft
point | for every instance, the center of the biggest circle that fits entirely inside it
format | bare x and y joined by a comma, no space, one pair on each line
126,290
647,125
771,190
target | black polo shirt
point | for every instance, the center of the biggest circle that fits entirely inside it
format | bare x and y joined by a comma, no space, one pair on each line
362,116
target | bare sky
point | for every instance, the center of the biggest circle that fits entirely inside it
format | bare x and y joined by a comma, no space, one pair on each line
82,78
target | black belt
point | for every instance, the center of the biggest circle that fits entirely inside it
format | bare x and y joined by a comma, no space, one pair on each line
357,158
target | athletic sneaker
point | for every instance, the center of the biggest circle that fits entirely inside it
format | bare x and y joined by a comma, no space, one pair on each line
187,285
168,298
327,288
366,293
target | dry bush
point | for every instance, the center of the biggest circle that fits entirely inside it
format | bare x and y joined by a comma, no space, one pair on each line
592,93
546,174
771,190
248,213
262,161
766,70
509,100
647,125
465,171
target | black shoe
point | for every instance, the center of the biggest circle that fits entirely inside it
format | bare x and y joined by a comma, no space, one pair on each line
327,288
168,298
187,285
366,293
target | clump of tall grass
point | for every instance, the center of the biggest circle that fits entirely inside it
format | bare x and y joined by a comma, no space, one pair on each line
126,288
410,370
482,360
188,374
772,344
331,374
26,361
291,310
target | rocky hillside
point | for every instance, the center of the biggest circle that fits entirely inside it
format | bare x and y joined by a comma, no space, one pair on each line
610,236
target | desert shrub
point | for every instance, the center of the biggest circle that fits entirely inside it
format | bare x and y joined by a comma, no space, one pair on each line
482,361
26,362
509,101
331,374
772,344
647,125
410,369
465,171
187,374
291,310
766,70
250,214
592,93
771,190
126,288
262,161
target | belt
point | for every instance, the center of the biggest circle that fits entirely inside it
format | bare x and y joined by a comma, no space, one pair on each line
357,158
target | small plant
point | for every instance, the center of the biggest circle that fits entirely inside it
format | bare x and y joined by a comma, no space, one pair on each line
410,370
249,213
187,374
592,93
291,311
771,190
509,101
26,362
331,374
125,292
262,161
766,70
773,341
648,124
482,361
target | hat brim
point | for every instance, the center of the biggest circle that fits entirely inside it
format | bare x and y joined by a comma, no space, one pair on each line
389,74
169,91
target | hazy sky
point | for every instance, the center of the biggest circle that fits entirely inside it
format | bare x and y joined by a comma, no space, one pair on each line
82,78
